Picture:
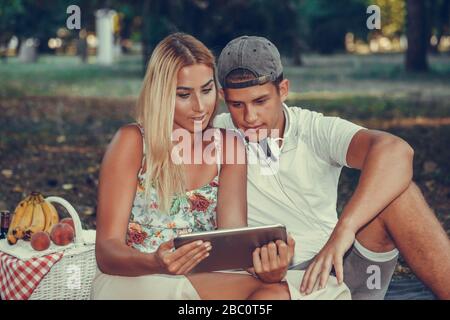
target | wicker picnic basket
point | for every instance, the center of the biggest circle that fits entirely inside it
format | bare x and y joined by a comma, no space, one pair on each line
71,277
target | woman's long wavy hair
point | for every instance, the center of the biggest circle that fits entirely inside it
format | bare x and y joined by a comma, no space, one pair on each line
156,108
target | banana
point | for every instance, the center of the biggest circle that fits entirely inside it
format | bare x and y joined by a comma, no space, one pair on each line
18,214
11,239
25,221
51,216
31,215
38,222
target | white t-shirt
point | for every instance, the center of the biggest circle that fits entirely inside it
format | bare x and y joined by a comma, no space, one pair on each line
301,190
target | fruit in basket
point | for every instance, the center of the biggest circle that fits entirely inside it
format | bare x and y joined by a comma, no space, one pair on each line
40,241
25,221
69,221
17,216
38,222
33,214
62,234
51,216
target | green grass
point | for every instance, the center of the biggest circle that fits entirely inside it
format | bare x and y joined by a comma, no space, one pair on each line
365,107
67,76
381,75
357,87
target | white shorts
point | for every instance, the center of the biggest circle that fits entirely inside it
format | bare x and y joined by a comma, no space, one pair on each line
169,287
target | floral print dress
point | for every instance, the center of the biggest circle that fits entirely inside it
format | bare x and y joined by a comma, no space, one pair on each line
193,211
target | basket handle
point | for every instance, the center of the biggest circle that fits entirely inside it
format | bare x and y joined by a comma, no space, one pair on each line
73,214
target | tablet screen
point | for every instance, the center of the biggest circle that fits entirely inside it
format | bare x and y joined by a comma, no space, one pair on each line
233,248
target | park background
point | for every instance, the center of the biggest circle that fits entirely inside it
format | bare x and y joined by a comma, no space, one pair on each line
64,93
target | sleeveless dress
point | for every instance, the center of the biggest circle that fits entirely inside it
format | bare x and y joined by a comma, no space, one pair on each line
148,227
195,211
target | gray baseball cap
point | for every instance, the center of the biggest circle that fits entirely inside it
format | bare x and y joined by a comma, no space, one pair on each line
256,54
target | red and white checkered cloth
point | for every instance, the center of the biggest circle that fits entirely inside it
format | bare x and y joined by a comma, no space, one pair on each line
19,278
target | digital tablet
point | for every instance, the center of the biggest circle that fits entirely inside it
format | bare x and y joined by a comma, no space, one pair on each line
232,248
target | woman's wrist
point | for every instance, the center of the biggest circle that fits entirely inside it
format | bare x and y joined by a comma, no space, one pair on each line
153,263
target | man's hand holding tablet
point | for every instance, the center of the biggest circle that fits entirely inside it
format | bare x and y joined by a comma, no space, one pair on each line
271,261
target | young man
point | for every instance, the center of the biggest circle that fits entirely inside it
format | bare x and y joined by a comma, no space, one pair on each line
386,213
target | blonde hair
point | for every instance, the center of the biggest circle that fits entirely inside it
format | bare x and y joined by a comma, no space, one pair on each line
156,109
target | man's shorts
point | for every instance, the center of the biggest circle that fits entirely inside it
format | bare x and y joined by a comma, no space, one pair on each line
366,273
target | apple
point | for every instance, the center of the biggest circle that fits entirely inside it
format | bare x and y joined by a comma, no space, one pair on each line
62,234
40,241
69,221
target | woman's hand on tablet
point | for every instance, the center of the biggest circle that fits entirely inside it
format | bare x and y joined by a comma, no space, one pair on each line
183,259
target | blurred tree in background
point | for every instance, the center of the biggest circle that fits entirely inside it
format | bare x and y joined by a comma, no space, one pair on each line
327,23
296,26
32,19
393,15
437,22
10,10
216,22
416,54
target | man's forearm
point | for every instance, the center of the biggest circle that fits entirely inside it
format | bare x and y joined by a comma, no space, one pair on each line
386,173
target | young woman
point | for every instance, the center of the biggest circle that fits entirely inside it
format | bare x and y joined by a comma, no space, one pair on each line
150,192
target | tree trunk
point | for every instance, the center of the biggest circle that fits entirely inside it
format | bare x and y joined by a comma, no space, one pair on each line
297,53
416,54
5,38
147,46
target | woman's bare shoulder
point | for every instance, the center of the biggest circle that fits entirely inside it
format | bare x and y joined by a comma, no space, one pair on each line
126,145
131,131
